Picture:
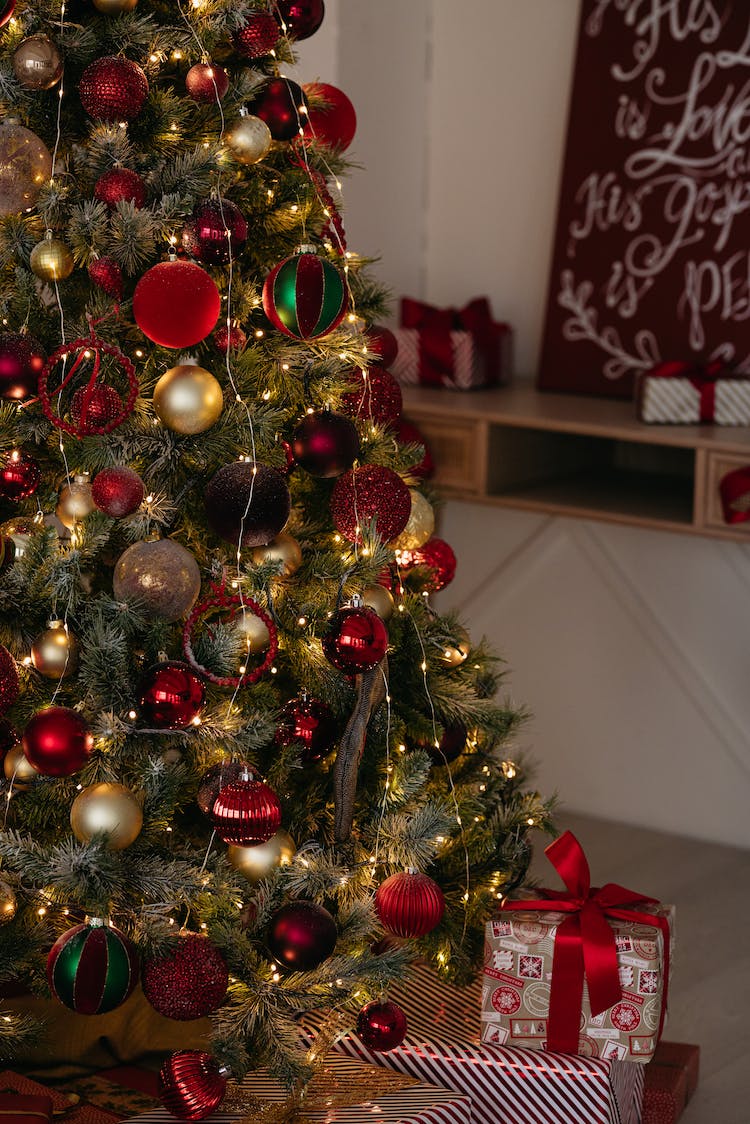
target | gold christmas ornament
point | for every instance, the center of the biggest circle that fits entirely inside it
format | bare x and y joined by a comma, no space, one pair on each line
114,7
25,166
75,501
256,863
18,768
253,635
248,139
110,808
20,529
420,525
282,549
160,574
51,259
54,653
456,651
8,903
188,399
379,598
37,63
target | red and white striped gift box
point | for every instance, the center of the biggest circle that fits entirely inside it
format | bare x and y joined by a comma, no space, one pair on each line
689,401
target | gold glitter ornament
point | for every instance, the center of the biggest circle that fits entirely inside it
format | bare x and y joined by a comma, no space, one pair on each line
51,259
258,862
248,139
420,524
188,399
110,808
75,501
54,653
284,549
37,63
25,166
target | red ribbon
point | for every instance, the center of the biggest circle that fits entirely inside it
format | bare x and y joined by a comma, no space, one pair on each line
702,376
734,489
585,943
437,366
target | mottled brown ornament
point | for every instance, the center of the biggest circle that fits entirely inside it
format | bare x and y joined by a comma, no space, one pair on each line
25,166
161,574
110,808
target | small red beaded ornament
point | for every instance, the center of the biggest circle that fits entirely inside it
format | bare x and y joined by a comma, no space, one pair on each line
190,982
230,604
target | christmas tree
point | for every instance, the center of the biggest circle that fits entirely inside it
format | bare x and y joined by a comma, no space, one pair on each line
244,756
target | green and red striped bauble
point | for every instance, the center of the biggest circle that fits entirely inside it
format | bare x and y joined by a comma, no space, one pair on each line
92,968
305,296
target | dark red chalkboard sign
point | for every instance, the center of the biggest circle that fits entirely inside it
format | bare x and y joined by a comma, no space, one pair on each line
652,250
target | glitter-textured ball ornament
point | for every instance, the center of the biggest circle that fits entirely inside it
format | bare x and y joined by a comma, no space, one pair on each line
190,982
206,83
114,7
188,399
91,408
37,63
248,139
380,599
18,769
382,1026
305,297
9,685
302,935
284,550
51,259
216,233
232,338
106,274
57,741
247,502
75,501
21,361
419,526
216,778
191,1084
118,491
258,862
409,904
302,18
25,167
246,812
278,104
20,476
370,492
92,968
377,397
408,434
7,8
171,696
334,122
325,444
257,37
107,808
113,88
8,902
356,639
120,185
176,304
54,653
161,575
382,345
311,722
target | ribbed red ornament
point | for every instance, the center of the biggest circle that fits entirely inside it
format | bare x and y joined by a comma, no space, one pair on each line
191,1084
246,812
214,779
258,37
107,276
189,983
120,185
382,1026
8,680
113,88
409,904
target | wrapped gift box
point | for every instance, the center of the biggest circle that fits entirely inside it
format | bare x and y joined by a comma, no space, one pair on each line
463,349
665,1094
681,1055
25,1108
16,1088
682,394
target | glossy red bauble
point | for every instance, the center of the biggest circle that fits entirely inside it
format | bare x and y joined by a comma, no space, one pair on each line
20,476
9,684
370,492
278,104
7,8
356,639
107,276
382,1026
382,345
376,398
176,304
113,88
120,185
436,555
311,722
216,233
92,408
206,82
57,741
409,904
325,444
233,338
21,361
191,1084
171,696
247,502
300,18
246,812
216,778
189,983
334,122
302,935
118,491
408,434
257,37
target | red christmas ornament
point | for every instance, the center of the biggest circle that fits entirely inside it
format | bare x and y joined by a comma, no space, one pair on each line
258,37
325,444
92,968
189,983
408,434
104,361
300,18
7,8
311,722
113,88
356,639
382,345
21,361
206,82
191,1084
370,492
435,555
117,491
9,686
377,397
216,233
233,338
171,696
304,296
452,744
333,123
57,741
19,476
93,408
247,503
232,604
278,104
176,304
409,904
246,812
302,935
120,185
107,276
216,778
382,1026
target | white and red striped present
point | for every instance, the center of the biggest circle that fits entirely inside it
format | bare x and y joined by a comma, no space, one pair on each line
679,393
463,349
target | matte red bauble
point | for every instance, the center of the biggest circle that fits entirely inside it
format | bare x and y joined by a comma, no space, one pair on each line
301,18
191,1084
356,639
120,185
409,904
19,476
325,444
206,82
382,1026
92,968
171,696
382,345
21,361
9,685
91,408
216,233
233,338
113,88
246,812
176,304
278,104
370,492
216,778
408,434
258,37
118,491
189,983
302,935
311,722
436,555
377,397
107,276
57,741
333,123
247,502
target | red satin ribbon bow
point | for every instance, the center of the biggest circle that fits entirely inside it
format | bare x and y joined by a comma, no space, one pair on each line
702,377
585,943
437,363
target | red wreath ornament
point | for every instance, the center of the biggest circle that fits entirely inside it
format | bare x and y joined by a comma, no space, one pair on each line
219,600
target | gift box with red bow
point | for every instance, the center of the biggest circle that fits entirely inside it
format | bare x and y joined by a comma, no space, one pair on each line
463,349
583,970
681,393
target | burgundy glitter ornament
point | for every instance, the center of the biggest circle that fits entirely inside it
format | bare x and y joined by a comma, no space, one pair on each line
437,555
301,17
120,185
92,409
246,812
278,104
20,476
370,492
311,722
233,338
409,904
206,82
382,345
216,778
258,37
408,434
171,696
333,123
9,685
57,741
247,503
325,444
356,639
107,276
216,233
113,88
302,935
118,491
176,304
382,1026
189,983
191,1084
377,397
21,362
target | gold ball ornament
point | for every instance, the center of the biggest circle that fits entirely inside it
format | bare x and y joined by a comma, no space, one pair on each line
8,903
379,598
248,139
256,863
25,166
188,399
37,63
75,501
18,768
110,808
456,651
420,525
51,259
19,529
253,635
54,653
161,574
283,549
114,7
